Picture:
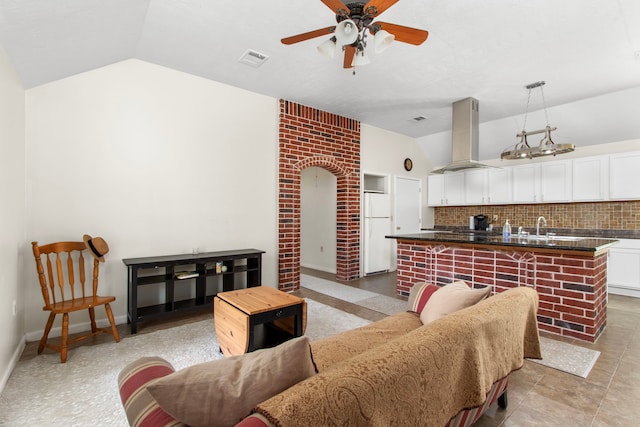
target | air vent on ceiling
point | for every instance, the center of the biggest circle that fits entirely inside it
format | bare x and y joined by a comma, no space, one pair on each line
253,58
418,119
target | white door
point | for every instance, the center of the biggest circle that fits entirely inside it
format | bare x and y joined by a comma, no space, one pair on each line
408,205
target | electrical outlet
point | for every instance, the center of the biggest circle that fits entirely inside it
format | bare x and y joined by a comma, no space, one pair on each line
15,307
495,218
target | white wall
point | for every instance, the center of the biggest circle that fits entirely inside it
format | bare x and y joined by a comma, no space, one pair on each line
318,212
586,123
383,153
13,247
155,161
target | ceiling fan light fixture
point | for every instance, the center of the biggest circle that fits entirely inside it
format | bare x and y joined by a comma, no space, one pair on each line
360,58
355,22
347,32
382,40
328,48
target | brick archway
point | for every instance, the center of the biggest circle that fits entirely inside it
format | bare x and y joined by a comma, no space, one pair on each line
311,137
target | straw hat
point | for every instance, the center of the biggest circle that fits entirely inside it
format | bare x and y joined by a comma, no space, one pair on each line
96,246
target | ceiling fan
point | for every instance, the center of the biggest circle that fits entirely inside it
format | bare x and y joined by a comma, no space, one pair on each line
354,20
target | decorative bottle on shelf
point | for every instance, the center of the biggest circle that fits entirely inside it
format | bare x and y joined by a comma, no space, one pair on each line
506,230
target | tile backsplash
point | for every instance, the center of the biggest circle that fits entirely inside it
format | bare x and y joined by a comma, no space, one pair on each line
598,216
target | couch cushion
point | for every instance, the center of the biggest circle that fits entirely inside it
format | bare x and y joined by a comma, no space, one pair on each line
224,391
452,297
331,350
419,295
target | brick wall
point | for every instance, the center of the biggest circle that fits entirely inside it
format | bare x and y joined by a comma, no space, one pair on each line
311,137
572,288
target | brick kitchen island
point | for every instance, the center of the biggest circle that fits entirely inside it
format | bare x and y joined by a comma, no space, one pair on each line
570,276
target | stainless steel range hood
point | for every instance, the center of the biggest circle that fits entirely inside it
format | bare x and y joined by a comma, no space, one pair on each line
464,137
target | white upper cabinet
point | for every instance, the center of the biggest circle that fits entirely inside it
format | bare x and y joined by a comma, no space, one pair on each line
587,179
435,190
542,182
525,183
499,186
590,179
454,188
624,176
475,186
555,181
446,189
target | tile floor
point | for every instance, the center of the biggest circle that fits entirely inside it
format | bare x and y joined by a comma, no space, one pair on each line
538,395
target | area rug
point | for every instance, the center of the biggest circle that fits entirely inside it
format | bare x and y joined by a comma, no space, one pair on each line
566,357
84,391
368,299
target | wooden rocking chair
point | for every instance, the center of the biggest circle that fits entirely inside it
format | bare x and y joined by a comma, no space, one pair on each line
65,263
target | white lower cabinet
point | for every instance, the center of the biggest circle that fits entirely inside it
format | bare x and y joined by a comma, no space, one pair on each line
623,268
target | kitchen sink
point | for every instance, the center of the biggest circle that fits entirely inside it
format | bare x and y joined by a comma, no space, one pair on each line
557,238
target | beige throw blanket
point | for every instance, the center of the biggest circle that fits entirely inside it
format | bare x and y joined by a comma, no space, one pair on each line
424,377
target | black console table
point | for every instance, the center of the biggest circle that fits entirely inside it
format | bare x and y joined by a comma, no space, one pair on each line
187,269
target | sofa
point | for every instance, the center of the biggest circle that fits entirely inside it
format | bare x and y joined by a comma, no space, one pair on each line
411,368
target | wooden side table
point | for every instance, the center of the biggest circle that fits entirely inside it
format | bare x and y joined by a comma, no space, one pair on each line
237,314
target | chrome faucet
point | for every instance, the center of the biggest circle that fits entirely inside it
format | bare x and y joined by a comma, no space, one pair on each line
544,222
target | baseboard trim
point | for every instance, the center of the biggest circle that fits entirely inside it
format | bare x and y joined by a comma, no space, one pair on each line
75,328
13,362
319,268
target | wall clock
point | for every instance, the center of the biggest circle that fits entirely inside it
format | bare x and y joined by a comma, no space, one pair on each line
408,164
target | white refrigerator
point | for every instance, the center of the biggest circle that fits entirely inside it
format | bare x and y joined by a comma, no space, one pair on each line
377,225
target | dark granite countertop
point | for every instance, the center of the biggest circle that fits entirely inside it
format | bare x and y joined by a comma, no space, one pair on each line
582,232
559,242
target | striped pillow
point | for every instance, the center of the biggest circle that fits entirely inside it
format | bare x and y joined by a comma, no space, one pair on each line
141,408
419,295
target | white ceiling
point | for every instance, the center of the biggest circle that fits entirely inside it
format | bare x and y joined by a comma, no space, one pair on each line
487,49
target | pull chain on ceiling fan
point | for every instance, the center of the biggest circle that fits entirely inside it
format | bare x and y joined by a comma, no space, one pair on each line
354,20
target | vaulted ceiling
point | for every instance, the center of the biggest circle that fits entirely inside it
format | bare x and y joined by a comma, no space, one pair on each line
487,49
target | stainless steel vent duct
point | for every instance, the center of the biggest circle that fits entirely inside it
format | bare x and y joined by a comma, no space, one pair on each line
464,137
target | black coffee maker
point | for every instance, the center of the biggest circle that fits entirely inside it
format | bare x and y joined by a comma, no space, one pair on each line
480,222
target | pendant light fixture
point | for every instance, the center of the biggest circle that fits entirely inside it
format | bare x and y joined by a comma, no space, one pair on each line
546,147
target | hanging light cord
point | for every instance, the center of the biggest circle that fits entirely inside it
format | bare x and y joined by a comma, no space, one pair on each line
544,104
526,112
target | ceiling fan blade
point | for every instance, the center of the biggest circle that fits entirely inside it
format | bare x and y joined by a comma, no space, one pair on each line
309,35
380,5
405,34
349,53
336,5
